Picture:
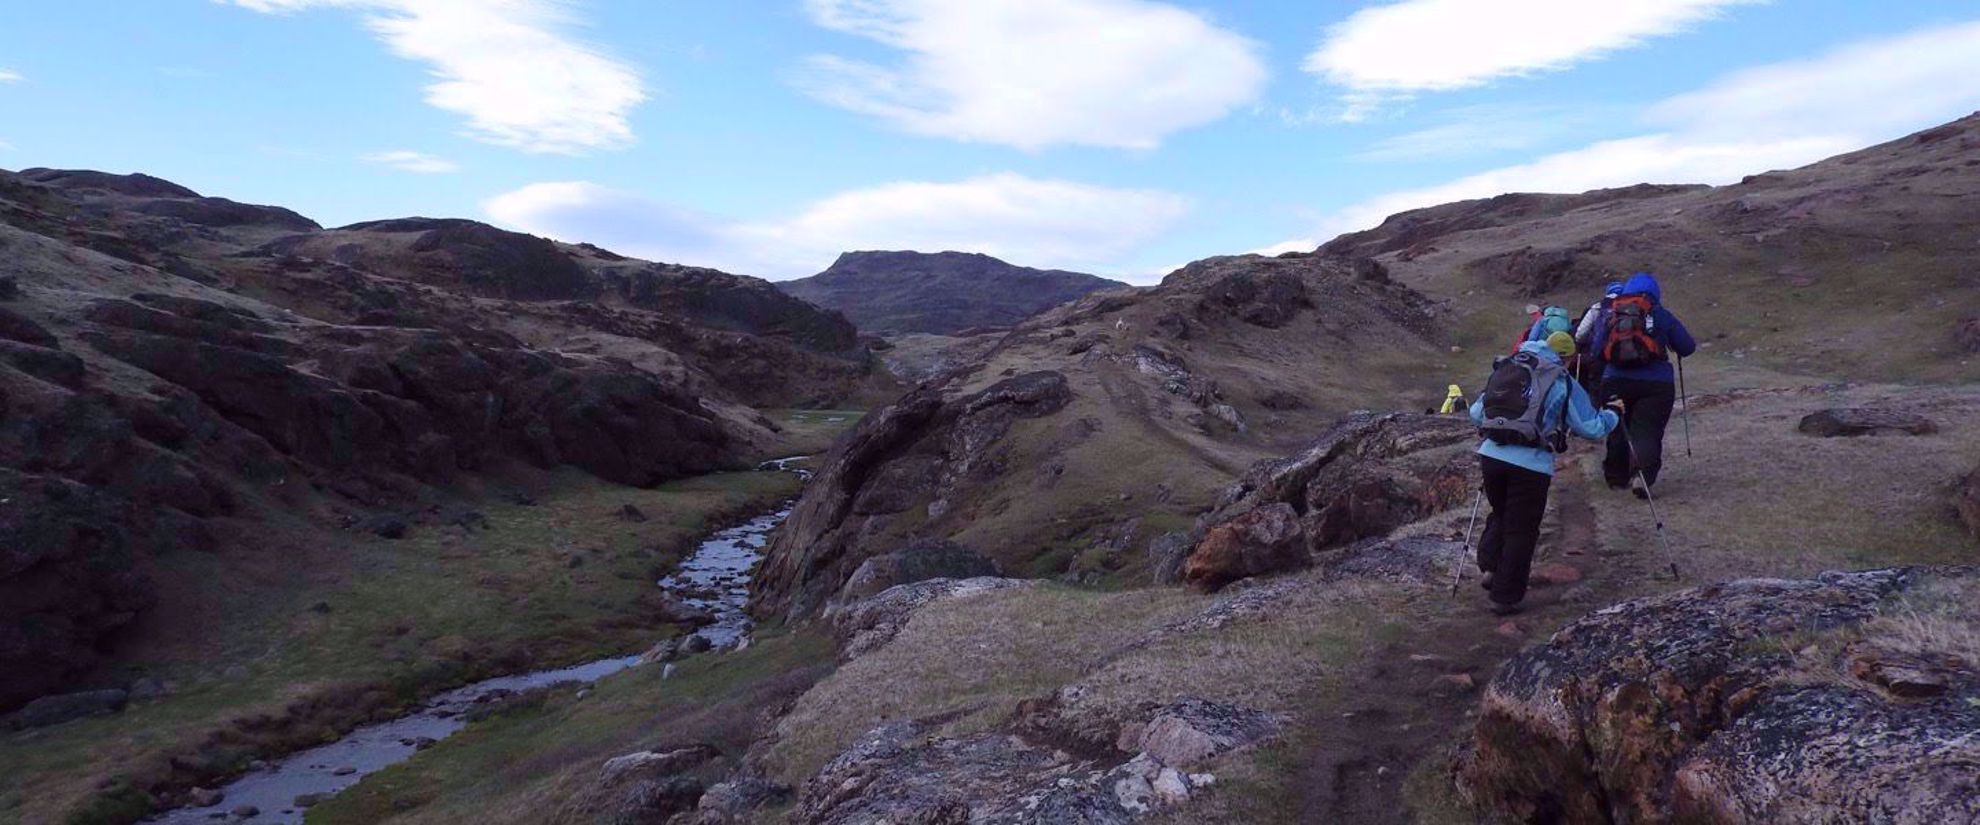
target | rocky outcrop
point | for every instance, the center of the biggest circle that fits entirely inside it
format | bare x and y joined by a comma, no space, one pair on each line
869,624
1751,701
1364,477
1865,421
644,787
907,458
1263,541
900,772
918,560
54,710
945,293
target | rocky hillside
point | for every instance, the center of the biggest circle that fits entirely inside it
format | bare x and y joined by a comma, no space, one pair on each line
943,293
1813,271
176,370
1090,430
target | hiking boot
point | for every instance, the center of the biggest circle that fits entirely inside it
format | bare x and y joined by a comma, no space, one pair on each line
1638,489
1502,609
1486,582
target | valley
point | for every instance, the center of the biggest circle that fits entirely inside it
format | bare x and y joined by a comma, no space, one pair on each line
1188,552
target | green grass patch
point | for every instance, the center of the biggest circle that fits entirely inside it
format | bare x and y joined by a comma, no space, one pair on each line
268,652
528,765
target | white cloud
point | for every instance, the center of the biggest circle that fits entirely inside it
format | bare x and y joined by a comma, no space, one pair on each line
5,146
406,160
1030,221
1439,45
10,76
1476,130
1771,117
504,65
1035,73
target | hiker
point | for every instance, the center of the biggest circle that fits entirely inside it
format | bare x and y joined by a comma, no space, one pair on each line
1588,360
1545,322
1636,340
1525,413
1453,400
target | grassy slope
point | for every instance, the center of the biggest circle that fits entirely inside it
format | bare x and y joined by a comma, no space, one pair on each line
554,583
522,767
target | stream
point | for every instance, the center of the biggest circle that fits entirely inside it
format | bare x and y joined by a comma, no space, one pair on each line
715,578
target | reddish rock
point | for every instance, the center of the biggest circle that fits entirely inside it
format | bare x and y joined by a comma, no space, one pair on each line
1266,540
1555,574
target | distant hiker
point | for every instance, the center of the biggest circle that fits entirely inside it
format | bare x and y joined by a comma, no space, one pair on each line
1545,322
1588,360
1453,400
1591,321
1525,412
1636,339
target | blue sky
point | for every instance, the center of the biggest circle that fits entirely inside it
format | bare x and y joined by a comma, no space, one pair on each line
1122,137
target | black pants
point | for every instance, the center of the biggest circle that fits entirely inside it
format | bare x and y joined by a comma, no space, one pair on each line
1646,412
1519,501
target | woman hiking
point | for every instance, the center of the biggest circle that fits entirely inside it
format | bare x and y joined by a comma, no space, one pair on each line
1636,340
1527,408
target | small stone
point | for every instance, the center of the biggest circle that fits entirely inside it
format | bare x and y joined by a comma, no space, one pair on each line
1511,629
320,607
245,812
308,800
146,689
631,514
344,771
696,644
204,797
1170,787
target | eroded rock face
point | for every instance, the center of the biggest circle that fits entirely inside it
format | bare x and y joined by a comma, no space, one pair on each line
643,787
1725,704
869,624
901,772
1366,476
905,458
1267,540
1865,421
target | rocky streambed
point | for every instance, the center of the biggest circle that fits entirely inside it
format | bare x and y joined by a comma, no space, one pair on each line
715,579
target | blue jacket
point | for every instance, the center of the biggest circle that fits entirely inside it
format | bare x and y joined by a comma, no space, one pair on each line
1583,419
1666,328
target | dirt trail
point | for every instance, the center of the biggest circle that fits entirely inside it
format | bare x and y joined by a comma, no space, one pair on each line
1414,696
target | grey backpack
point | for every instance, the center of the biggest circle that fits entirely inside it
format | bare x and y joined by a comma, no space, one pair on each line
1515,398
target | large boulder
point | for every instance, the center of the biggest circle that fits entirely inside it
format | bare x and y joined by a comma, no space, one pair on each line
903,772
71,574
869,624
54,710
904,460
1857,421
915,561
1263,541
1364,477
1853,697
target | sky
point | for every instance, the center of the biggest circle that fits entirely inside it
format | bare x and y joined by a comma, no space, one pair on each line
1120,137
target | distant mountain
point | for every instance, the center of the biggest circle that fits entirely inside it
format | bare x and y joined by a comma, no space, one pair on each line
941,293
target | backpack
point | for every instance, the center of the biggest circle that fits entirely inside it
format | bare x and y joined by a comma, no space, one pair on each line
1555,320
1515,398
1632,333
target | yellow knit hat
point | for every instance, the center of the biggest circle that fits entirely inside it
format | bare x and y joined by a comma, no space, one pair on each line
1561,343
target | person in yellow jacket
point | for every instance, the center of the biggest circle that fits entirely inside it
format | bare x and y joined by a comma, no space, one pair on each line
1453,401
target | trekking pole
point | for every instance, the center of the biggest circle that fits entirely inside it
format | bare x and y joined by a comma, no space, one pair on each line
1458,569
1684,398
1648,496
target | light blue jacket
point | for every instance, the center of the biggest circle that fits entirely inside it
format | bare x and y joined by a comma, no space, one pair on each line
1583,419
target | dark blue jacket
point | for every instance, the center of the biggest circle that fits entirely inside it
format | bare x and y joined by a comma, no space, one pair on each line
1664,326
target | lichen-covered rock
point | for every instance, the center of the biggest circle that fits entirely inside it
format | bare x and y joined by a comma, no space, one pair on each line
1865,421
1364,477
1267,540
643,788
1412,559
869,624
901,772
915,561
1742,702
907,458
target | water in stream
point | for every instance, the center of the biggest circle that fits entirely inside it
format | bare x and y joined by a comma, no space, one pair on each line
715,577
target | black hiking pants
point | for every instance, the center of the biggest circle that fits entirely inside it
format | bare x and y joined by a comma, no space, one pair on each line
1646,412
1519,501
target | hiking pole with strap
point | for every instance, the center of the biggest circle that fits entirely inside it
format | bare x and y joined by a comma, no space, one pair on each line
1684,398
1647,495
1458,574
